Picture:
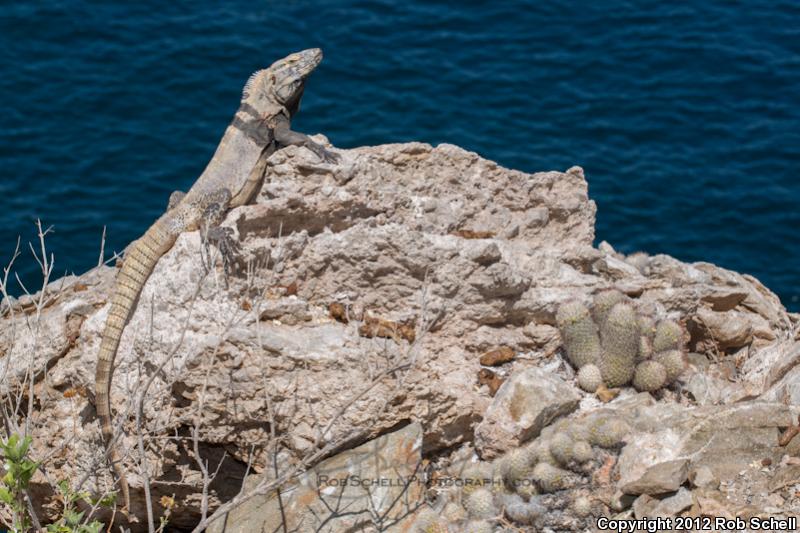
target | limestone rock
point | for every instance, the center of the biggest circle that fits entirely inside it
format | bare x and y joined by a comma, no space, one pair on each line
453,256
343,493
525,404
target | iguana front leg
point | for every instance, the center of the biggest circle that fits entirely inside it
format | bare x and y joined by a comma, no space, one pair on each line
215,206
284,136
174,199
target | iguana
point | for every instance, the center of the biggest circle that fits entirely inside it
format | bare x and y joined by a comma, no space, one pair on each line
261,125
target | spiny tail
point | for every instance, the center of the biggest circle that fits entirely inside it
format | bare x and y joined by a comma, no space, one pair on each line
136,268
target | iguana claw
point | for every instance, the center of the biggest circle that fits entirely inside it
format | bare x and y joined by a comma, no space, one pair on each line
229,248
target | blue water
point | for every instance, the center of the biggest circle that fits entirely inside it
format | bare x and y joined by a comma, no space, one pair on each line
685,116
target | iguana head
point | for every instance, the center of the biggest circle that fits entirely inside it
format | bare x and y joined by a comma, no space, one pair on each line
282,83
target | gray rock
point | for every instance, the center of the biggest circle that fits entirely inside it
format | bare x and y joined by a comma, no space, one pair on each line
343,493
723,439
525,404
703,477
462,252
672,505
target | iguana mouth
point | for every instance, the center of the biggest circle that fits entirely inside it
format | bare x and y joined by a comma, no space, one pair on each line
306,60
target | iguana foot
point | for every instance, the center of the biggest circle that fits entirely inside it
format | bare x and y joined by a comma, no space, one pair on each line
324,154
174,199
229,248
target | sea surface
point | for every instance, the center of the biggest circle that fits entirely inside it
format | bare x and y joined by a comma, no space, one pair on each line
684,115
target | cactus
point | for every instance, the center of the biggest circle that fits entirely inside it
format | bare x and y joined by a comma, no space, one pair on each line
578,431
515,466
453,512
428,521
579,333
606,344
480,504
674,363
568,452
590,378
582,452
582,506
650,376
668,336
540,452
551,478
647,326
437,527
475,476
608,432
620,335
521,512
527,488
645,348
604,301
561,448
479,526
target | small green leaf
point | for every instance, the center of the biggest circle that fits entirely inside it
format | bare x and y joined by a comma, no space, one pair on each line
73,517
5,496
22,449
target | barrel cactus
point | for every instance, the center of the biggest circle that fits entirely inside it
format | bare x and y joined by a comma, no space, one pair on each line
579,333
614,345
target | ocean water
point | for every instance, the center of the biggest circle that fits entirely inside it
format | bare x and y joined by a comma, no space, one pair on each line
685,116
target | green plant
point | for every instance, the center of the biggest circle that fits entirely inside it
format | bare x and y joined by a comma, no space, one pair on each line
582,452
561,448
479,526
551,478
72,520
613,344
579,333
604,301
674,363
620,337
582,506
19,470
668,336
590,378
608,431
515,466
650,376
480,504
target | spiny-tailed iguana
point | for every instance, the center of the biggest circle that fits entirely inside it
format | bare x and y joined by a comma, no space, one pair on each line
232,178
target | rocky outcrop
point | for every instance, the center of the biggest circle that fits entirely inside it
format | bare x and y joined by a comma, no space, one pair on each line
378,484
363,299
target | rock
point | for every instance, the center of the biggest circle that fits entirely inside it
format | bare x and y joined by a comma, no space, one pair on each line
644,472
644,506
703,477
784,477
498,356
674,504
722,439
525,404
453,256
720,330
378,478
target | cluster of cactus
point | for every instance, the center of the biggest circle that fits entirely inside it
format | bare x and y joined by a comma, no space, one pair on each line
518,482
614,345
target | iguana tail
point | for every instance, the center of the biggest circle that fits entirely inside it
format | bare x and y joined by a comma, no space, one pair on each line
139,262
